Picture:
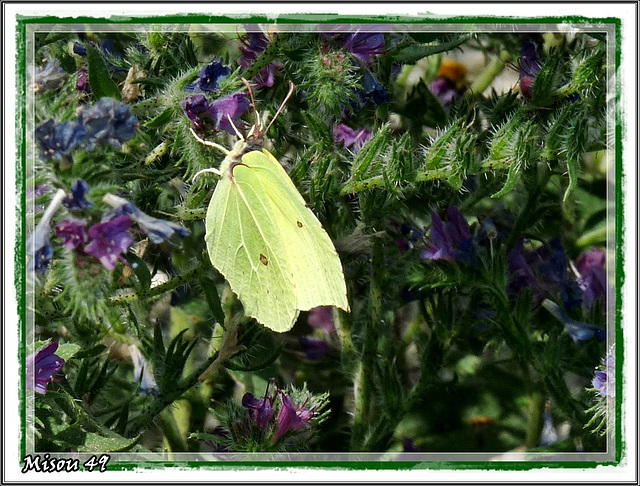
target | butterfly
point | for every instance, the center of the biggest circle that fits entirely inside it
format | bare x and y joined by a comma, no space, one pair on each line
263,238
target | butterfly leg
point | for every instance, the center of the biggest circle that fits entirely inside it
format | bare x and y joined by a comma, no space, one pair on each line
209,144
212,170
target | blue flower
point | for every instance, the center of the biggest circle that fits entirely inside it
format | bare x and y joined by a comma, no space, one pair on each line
549,434
209,77
108,121
39,248
51,76
371,91
315,349
110,240
579,331
142,373
42,366
451,241
158,230
79,49
77,199
59,139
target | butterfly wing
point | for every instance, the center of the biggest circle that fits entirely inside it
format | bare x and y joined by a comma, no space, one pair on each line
269,246
312,261
242,241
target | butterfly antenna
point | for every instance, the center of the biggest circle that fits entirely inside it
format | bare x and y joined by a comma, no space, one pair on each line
291,88
253,100
235,129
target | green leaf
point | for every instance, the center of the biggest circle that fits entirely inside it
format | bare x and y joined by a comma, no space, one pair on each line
235,365
91,352
213,299
160,120
96,443
141,270
67,350
415,53
513,176
101,83
368,153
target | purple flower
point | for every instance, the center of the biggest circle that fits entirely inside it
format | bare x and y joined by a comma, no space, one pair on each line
261,411
410,236
77,199
444,90
291,418
545,271
72,232
357,138
233,106
51,76
322,318
530,66
158,230
82,84
110,239
108,121
604,380
315,349
593,281
364,45
196,107
209,77
42,367
449,241
58,139
202,113
253,44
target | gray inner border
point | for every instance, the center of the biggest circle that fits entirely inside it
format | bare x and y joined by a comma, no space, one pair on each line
463,457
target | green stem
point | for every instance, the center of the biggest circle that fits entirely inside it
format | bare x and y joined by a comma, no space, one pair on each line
143,420
171,432
530,208
490,73
159,289
536,419
353,187
343,331
363,381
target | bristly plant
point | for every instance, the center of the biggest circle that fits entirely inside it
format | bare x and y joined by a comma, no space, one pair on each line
470,220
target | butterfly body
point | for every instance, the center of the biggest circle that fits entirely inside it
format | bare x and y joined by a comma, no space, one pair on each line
267,243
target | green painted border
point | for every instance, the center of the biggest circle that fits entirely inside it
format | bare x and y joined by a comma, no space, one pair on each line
21,220
20,257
